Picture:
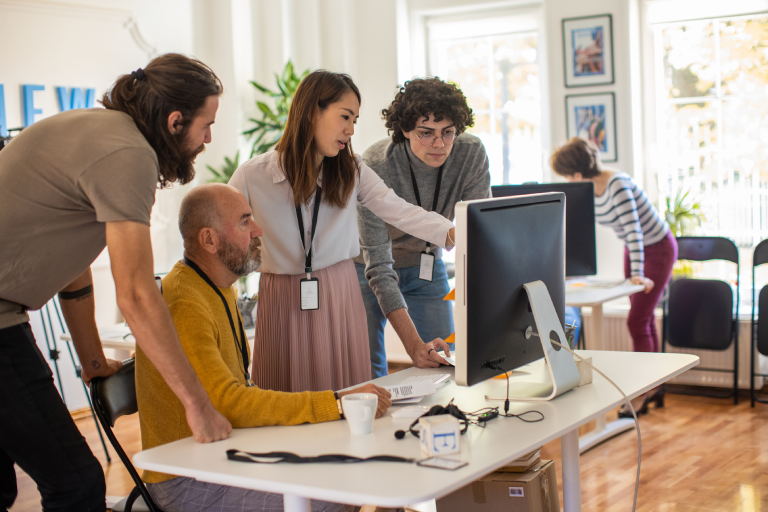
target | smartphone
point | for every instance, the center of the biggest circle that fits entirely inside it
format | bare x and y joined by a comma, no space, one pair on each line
442,463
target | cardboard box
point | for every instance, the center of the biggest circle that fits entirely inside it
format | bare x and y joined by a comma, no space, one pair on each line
532,491
439,435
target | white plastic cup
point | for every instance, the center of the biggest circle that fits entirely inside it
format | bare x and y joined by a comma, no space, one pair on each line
360,410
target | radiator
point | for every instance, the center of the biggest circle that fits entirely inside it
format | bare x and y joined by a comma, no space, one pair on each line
616,337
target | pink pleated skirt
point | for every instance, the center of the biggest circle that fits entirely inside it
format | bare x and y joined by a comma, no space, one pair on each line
297,350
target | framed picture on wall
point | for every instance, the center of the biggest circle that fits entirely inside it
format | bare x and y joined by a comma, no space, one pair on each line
593,117
588,51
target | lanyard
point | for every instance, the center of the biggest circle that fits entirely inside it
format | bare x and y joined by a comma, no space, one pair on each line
300,218
277,457
416,186
240,346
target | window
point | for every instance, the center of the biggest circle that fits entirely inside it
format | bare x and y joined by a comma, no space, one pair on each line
495,62
712,121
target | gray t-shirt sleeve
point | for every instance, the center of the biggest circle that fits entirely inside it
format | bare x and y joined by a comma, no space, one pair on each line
376,248
122,185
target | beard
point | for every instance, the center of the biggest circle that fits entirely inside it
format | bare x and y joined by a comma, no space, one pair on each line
240,262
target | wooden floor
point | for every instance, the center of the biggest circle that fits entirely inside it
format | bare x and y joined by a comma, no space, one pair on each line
699,454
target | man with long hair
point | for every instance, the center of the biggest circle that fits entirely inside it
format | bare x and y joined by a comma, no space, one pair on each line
431,162
70,185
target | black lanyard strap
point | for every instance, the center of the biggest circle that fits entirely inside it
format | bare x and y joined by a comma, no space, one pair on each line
277,457
416,186
242,347
300,218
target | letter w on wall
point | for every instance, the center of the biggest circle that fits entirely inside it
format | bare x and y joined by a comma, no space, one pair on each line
79,98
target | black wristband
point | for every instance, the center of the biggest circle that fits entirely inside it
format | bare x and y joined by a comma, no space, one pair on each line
82,292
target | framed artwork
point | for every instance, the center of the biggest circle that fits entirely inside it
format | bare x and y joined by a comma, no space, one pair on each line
593,117
588,51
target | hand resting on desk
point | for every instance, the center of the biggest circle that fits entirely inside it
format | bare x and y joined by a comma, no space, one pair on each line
383,394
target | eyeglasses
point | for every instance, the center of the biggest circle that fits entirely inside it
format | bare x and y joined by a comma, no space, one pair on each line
429,139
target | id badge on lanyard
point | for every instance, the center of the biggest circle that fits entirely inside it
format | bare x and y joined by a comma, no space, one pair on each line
309,288
310,294
427,266
427,258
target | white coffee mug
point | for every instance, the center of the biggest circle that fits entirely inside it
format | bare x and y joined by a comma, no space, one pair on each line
360,410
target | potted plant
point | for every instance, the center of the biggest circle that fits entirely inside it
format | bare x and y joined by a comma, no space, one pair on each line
684,214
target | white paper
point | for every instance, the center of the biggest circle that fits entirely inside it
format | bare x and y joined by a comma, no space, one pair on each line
404,391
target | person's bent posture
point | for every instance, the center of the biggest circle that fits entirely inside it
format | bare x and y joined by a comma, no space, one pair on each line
221,244
70,185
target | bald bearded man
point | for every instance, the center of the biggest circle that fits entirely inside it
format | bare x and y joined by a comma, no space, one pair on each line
221,244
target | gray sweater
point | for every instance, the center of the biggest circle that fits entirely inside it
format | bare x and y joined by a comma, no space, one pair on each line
383,247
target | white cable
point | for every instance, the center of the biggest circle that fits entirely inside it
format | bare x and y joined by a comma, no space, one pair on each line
626,401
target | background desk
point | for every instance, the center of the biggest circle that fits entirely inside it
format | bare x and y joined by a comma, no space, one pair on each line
119,337
395,484
594,293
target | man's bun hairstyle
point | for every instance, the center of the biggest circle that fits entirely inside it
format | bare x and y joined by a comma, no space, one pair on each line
420,97
169,83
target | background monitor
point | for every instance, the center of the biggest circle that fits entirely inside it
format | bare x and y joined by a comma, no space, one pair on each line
501,244
580,245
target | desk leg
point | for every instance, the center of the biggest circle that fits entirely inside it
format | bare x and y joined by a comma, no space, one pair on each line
293,503
569,448
603,430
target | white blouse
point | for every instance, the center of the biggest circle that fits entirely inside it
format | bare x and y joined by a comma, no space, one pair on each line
336,236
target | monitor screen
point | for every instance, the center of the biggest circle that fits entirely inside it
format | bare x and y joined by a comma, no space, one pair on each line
580,245
502,244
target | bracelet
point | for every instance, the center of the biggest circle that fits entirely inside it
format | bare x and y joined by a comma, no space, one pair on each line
450,239
338,404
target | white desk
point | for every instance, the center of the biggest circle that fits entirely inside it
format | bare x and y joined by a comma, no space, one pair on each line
395,484
594,293
119,337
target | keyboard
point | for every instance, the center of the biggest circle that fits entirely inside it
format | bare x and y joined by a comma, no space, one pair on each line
438,379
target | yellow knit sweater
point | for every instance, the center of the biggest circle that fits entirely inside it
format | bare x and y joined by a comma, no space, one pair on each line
206,338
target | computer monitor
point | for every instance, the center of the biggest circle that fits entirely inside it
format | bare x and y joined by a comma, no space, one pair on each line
580,245
502,244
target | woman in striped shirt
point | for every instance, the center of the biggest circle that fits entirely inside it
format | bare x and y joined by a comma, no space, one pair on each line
650,247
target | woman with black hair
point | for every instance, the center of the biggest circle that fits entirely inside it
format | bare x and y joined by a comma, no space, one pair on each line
311,329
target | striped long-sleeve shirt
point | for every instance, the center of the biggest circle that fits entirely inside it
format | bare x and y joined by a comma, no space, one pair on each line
624,207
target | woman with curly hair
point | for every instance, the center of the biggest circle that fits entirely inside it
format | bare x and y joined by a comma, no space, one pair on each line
310,325
431,162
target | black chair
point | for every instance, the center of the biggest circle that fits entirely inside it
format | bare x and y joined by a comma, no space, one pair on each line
699,313
112,398
759,324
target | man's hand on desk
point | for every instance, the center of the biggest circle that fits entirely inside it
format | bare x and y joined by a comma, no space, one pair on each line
643,281
383,394
425,355
99,368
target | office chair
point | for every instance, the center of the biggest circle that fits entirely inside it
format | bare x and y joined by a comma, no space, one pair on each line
760,324
113,397
699,313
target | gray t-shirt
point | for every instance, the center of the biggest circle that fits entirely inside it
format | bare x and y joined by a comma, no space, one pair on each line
383,247
61,179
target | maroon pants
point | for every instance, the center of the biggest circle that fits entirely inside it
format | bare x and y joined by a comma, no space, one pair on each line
659,259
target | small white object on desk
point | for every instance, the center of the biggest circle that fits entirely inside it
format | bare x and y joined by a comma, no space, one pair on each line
439,435
410,413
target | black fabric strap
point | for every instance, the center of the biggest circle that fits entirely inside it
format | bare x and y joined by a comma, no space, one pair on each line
82,292
277,457
242,347
416,186
300,218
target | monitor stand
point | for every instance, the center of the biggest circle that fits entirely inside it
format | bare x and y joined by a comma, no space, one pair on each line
558,374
